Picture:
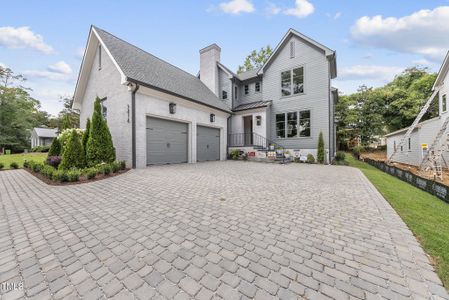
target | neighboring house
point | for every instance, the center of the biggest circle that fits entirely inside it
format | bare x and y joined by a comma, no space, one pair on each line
158,113
412,152
43,136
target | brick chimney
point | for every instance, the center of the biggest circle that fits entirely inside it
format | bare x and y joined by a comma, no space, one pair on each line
209,56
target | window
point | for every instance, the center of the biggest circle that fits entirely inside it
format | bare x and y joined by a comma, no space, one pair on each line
280,126
235,93
409,144
99,57
292,49
257,88
394,145
286,84
304,123
444,104
258,120
292,124
292,79
224,95
402,148
104,107
246,89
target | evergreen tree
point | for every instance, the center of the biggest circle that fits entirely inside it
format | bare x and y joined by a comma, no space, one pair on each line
73,156
320,154
99,144
86,135
55,148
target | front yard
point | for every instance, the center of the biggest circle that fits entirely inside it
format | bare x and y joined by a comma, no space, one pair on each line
6,160
426,215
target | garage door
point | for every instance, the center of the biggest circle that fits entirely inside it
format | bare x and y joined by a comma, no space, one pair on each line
166,142
208,143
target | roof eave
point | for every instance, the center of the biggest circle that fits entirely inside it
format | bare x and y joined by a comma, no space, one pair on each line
443,70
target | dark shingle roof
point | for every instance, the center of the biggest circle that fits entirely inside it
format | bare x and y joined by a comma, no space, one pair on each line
252,105
248,74
149,70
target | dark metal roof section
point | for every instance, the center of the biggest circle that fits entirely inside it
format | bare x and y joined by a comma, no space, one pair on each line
252,105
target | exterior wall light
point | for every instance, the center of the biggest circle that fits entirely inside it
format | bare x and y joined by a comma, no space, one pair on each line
212,118
172,107
258,120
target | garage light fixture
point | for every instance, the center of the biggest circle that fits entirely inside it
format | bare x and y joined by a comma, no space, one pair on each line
212,118
172,107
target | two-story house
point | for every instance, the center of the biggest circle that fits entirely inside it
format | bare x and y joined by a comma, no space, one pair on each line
158,113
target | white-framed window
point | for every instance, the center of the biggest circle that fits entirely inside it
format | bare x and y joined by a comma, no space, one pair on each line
257,87
246,89
409,144
444,103
292,81
293,124
292,49
224,95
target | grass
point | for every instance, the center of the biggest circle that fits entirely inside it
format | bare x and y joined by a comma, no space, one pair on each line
6,160
425,215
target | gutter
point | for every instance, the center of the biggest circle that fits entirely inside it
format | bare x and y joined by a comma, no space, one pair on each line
133,88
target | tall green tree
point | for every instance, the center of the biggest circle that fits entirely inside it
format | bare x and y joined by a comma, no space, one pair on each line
86,135
73,155
99,145
256,59
320,152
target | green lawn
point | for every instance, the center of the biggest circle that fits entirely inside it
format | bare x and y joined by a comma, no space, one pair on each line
426,215
20,158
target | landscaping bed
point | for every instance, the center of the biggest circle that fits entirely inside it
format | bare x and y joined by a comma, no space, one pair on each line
18,159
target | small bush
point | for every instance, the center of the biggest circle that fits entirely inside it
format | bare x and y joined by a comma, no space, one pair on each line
320,151
2,166
53,161
234,154
356,151
73,175
106,169
48,171
310,159
122,165
55,148
60,175
29,164
14,165
37,167
26,164
115,166
340,156
91,173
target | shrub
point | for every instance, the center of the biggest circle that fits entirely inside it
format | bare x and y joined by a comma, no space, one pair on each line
37,167
86,135
29,164
2,166
320,152
357,150
310,159
64,136
99,145
115,166
106,169
234,154
340,156
73,175
26,164
122,165
53,161
14,165
55,148
91,173
73,156
48,171
60,175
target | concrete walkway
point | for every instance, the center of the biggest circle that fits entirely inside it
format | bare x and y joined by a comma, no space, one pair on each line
232,230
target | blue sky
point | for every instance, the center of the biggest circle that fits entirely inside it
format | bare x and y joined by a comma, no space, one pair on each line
374,40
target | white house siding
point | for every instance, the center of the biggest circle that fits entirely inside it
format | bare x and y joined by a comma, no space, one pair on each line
106,83
237,121
315,97
224,84
156,104
252,96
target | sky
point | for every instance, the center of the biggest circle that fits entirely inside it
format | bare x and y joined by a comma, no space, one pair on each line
375,40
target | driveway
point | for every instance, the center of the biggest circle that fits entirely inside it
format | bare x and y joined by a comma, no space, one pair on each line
233,230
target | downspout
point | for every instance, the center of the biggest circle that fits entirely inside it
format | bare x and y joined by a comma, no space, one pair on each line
331,134
133,88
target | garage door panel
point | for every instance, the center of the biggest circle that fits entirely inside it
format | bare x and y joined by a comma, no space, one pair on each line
208,143
166,141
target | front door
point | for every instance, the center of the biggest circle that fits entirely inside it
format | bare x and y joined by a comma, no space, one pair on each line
248,130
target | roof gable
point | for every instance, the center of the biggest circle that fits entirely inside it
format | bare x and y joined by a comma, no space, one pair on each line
442,72
46,132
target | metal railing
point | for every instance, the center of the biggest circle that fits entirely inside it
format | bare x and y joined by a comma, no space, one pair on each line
252,139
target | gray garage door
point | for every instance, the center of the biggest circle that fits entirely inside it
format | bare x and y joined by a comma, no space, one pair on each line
166,142
208,143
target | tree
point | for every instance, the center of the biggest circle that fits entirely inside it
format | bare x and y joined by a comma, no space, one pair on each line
256,59
73,156
86,135
320,151
99,145
55,148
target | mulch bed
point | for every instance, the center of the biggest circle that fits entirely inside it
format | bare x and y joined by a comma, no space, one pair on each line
82,180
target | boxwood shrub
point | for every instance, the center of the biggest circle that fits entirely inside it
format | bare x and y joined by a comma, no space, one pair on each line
73,175
60,175
48,171
2,166
14,165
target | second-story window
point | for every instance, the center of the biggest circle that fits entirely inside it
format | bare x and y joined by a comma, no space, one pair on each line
292,81
235,93
246,89
444,104
224,95
257,88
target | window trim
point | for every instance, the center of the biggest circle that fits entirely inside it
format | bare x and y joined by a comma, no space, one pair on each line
255,87
303,66
223,94
298,120
443,103
246,89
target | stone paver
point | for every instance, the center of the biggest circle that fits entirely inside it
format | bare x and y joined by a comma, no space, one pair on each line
232,230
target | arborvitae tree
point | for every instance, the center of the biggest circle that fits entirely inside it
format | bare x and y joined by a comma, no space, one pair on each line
73,156
86,135
55,148
320,154
99,144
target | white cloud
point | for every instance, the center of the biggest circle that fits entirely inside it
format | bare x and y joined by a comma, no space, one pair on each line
423,32
60,67
59,71
272,9
237,7
302,9
358,72
23,37
337,15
